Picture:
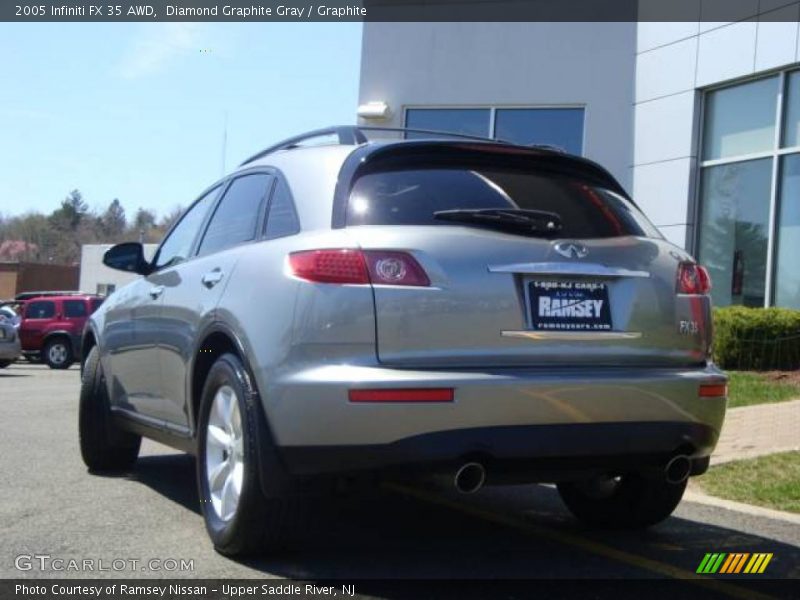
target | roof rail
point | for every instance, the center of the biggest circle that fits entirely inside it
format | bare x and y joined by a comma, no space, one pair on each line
353,135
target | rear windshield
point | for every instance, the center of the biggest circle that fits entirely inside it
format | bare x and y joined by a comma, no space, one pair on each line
411,197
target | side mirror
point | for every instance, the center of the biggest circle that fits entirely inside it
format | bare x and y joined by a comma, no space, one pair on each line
129,257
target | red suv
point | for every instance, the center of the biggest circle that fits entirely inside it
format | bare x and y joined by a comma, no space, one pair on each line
51,327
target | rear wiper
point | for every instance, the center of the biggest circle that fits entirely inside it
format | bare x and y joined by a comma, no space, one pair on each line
517,220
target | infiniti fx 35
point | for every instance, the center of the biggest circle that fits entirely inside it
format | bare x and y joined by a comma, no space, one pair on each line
457,309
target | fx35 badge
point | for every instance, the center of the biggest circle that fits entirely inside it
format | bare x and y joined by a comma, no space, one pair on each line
688,327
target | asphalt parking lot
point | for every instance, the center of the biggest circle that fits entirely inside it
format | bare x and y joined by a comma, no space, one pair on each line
50,505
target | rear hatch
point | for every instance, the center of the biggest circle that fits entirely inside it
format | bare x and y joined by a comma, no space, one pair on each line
533,259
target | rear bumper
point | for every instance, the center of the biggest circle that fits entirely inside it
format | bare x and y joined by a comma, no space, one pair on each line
543,452
9,350
559,419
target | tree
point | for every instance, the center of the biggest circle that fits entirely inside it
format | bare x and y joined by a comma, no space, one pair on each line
67,223
72,211
113,222
143,225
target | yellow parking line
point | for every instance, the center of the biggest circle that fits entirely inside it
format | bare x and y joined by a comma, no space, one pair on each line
584,544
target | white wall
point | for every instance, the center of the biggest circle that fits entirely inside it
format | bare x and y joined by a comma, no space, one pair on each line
513,64
674,61
94,272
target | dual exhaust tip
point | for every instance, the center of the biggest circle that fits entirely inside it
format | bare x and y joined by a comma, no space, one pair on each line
678,469
471,476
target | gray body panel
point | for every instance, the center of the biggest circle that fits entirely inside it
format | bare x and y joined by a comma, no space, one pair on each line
307,344
10,348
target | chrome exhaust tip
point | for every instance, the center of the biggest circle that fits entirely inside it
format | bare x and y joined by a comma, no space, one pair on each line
470,478
678,469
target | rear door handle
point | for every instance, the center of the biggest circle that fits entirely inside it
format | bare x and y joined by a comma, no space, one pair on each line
156,291
212,278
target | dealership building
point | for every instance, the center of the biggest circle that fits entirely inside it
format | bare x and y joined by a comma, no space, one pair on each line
700,121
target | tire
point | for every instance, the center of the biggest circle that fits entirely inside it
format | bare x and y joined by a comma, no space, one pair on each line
104,447
253,522
633,501
57,353
5,363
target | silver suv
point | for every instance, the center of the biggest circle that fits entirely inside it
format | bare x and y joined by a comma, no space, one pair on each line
410,308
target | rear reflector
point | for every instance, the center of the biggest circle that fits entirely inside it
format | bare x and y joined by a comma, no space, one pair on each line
693,279
403,395
380,267
713,390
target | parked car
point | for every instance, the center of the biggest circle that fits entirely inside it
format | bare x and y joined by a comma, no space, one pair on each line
460,308
51,327
9,344
8,314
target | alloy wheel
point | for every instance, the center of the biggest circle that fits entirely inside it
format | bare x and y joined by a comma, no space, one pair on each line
224,453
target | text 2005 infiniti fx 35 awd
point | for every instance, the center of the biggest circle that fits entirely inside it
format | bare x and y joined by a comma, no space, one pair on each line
411,308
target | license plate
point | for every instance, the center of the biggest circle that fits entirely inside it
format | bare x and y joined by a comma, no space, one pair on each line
569,306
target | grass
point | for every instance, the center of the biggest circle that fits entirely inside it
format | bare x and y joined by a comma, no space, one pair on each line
748,388
772,481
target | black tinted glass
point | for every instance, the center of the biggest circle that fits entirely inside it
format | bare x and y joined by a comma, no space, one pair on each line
43,309
178,244
74,309
411,197
282,219
236,217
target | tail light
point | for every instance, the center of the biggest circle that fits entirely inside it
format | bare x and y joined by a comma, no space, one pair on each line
330,266
380,267
693,279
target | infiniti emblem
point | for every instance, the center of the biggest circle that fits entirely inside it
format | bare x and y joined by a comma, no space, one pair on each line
571,249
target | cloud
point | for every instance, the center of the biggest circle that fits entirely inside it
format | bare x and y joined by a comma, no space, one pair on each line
158,45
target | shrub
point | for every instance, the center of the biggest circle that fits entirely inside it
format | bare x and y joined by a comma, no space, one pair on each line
757,339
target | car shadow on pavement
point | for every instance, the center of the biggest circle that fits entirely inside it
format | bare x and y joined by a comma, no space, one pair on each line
171,475
385,534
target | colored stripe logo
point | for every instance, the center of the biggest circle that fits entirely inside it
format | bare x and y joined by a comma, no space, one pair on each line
734,563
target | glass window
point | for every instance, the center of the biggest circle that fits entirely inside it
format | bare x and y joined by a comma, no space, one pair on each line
740,119
178,245
734,230
791,126
411,197
41,309
236,217
74,309
787,273
562,127
469,121
282,218
96,302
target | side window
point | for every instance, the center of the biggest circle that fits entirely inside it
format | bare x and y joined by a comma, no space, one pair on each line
178,245
236,217
74,309
281,218
43,309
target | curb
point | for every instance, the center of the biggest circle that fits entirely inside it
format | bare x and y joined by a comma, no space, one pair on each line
749,509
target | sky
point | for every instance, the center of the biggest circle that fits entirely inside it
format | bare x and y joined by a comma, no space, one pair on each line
138,111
